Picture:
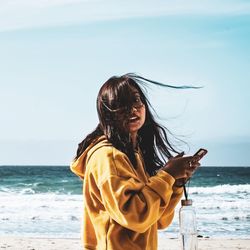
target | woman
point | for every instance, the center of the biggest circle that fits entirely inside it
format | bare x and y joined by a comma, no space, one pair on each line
132,183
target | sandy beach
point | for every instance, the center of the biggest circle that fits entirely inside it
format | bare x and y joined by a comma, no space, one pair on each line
24,243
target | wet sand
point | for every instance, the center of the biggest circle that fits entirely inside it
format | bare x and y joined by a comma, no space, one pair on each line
25,243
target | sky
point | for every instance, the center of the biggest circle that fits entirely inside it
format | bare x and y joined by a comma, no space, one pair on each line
55,55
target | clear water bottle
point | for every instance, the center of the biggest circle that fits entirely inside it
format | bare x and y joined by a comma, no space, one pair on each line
188,229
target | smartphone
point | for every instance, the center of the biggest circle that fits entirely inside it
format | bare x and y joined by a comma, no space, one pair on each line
200,153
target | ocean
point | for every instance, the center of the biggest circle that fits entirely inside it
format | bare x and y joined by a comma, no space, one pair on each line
46,201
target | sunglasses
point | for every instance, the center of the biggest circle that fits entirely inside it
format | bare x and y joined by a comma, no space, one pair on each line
137,104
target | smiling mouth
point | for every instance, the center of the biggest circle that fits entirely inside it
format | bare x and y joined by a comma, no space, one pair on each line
134,119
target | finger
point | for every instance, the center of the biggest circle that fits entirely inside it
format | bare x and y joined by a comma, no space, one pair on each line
187,158
195,159
190,162
187,162
193,168
197,164
189,174
194,164
179,155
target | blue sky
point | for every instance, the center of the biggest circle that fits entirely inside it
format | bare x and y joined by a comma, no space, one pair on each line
55,55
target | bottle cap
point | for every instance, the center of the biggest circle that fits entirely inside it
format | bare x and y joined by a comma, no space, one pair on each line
186,202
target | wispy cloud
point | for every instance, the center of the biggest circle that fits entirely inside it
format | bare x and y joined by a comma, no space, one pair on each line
17,14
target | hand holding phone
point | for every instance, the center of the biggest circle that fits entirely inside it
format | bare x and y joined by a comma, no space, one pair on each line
196,157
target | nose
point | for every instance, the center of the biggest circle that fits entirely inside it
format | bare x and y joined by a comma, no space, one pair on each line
133,109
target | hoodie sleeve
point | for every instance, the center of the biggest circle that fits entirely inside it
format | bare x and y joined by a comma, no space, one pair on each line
168,213
130,202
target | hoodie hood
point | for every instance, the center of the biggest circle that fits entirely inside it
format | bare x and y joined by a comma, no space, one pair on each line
78,166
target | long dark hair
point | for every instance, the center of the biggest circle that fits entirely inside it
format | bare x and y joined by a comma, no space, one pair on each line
115,96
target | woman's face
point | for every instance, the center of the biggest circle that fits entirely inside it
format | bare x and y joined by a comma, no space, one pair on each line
137,115
132,119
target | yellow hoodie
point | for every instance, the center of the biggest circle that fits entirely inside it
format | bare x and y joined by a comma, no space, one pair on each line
123,205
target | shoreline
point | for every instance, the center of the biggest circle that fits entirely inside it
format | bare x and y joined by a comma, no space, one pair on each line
47,243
